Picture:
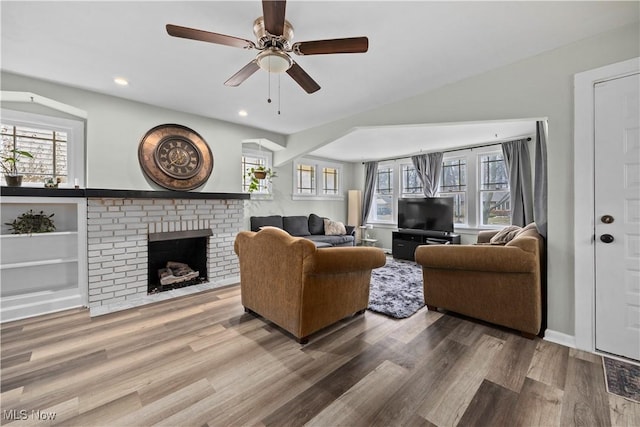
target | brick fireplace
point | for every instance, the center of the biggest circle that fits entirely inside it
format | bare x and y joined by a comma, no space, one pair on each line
118,231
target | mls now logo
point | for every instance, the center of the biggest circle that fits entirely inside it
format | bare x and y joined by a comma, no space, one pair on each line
15,414
23,414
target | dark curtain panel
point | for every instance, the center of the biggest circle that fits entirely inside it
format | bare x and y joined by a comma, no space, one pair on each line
370,172
540,180
517,160
429,168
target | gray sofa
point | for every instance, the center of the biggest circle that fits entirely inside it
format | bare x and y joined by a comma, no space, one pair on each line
311,227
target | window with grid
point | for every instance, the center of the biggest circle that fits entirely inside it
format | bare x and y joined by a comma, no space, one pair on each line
251,162
453,183
383,199
306,179
330,180
48,148
494,198
411,184
315,179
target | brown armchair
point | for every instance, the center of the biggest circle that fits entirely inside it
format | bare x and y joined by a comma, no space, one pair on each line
498,284
299,287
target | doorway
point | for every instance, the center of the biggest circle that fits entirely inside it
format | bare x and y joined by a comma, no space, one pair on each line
602,296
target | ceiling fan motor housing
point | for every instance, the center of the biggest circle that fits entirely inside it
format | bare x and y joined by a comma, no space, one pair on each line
266,40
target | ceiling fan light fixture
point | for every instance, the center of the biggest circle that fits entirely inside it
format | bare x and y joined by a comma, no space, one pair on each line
274,61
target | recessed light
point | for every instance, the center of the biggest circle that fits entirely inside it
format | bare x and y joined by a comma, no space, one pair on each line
121,81
243,113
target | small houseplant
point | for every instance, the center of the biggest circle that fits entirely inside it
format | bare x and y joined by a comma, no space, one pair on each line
258,174
30,222
9,164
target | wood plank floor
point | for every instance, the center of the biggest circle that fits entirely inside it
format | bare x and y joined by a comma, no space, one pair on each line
201,361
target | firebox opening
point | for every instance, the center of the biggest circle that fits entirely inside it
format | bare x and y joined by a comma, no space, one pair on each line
169,254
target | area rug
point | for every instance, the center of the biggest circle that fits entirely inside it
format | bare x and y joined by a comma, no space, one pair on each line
396,289
623,379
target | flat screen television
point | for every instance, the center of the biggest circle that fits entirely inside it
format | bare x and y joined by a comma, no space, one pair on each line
430,213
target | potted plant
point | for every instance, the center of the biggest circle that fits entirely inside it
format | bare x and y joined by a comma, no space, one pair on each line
9,166
31,222
258,174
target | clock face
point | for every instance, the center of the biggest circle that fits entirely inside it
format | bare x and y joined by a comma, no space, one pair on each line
178,158
175,157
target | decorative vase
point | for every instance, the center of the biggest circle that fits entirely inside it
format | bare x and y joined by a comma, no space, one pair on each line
260,174
13,180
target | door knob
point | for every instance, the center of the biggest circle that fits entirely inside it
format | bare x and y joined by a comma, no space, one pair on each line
607,219
606,238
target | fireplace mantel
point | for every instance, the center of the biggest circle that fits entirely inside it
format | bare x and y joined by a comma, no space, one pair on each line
118,194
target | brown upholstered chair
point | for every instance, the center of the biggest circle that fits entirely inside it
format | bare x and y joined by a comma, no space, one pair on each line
498,284
299,287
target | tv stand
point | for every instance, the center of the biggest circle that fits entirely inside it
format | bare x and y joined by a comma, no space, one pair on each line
405,241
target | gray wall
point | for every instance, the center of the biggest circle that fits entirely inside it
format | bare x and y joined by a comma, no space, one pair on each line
540,86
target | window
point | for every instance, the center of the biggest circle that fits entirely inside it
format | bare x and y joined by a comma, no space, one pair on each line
48,148
494,197
317,179
475,178
411,184
453,183
57,147
253,159
306,182
382,206
330,180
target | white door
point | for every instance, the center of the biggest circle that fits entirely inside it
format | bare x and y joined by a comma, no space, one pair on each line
617,216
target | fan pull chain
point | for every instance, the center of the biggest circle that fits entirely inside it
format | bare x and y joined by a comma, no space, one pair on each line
269,79
279,94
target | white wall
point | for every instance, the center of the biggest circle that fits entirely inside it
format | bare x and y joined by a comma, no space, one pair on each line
115,127
540,86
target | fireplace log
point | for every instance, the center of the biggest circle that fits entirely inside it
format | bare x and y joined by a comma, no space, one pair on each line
170,280
175,264
176,272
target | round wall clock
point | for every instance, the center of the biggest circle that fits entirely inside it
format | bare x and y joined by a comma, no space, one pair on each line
175,157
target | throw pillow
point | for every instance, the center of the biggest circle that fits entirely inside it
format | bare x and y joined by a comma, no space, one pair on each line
296,225
334,228
316,224
505,235
531,226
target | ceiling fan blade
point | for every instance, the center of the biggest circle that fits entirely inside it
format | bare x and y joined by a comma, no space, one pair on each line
302,78
273,12
206,36
242,75
321,47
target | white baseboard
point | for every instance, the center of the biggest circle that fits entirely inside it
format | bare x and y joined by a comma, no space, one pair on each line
23,306
560,338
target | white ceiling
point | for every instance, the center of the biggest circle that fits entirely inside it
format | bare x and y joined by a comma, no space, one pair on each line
414,46
380,142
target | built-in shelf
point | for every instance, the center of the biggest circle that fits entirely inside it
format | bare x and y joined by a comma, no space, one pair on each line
37,263
43,272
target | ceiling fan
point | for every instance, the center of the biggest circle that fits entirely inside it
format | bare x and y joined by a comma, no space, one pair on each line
274,35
